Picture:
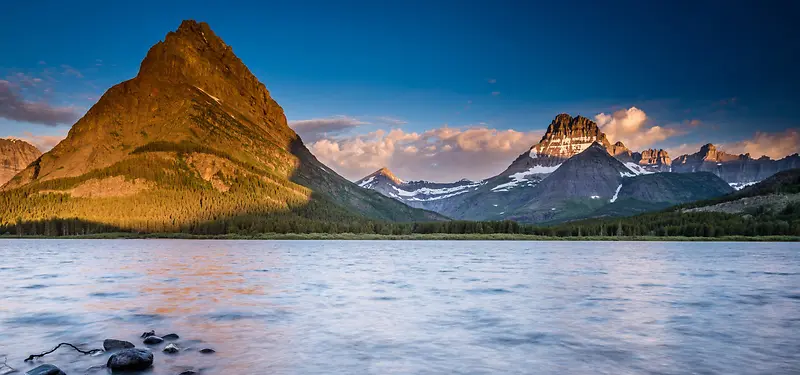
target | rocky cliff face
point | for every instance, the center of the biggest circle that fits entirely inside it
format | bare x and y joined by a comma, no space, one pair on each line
737,170
15,155
653,160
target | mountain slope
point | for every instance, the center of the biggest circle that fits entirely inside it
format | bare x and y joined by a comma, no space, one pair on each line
193,139
15,155
420,194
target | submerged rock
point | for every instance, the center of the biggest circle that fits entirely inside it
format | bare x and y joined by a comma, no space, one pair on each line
153,340
171,348
207,351
188,372
148,334
112,344
46,370
131,359
170,336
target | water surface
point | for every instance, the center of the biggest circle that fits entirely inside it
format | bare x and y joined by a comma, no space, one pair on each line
416,307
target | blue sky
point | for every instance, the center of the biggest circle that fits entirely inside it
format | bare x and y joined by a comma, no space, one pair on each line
711,71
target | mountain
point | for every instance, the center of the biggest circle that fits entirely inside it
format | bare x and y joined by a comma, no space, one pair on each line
738,170
420,194
194,142
571,173
15,155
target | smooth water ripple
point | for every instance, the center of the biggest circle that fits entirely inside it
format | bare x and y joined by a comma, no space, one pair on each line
408,307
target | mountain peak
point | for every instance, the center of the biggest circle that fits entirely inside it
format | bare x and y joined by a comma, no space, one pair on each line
567,136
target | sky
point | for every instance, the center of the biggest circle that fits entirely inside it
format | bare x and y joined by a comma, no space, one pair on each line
439,90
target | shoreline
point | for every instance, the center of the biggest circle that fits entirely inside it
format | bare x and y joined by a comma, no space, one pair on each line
409,237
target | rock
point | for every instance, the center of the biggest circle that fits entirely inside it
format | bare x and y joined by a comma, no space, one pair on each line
153,340
188,372
170,336
148,334
171,348
207,351
131,359
111,344
46,370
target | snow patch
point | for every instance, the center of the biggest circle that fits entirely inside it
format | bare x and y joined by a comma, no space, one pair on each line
595,197
637,169
742,185
616,194
366,182
521,177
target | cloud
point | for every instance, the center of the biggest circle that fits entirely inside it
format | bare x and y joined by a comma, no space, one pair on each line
775,145
390,120
70,71
16,108
442,154
315,129
632,128
43,142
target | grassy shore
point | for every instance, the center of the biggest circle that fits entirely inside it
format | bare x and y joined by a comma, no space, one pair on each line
406,237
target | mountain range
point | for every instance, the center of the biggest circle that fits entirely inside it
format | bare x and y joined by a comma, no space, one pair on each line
195,142
574,172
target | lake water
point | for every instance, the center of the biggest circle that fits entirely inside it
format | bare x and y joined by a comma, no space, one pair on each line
417,307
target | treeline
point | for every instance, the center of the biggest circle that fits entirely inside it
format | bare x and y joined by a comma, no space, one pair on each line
663,224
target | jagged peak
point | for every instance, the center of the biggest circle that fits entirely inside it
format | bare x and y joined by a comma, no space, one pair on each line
383,172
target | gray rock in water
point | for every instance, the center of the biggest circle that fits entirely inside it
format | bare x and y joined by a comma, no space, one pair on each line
148,334
131,359
207,351
171,348
188,372
170,336
46,370
111,344
153,340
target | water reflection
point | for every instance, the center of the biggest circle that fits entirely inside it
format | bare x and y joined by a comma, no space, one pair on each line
410,307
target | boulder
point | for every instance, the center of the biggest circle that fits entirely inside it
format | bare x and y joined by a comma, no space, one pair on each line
207,351
46,370
148,334
171,349
153,340
170,336
112,344
131,359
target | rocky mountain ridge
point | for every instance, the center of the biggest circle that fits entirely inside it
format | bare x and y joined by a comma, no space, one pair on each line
15,155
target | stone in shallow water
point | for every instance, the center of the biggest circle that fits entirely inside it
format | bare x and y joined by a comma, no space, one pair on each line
153,340
46,370
207,351
148,334
188,372
111,344
131,359
171,348
170,336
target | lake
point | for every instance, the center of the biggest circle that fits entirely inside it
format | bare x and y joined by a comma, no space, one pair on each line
408,307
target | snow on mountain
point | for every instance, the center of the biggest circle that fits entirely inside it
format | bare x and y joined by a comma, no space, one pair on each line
522,178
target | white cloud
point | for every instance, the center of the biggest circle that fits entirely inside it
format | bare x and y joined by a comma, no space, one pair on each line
441,154
632,128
